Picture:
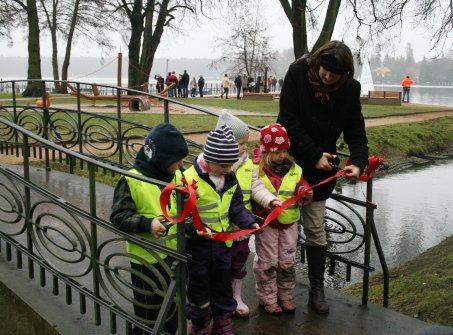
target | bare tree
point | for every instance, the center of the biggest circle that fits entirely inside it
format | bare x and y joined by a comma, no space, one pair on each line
246,49
10,18
69,19
371,19
147,20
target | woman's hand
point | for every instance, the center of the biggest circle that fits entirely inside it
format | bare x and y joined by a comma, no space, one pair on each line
326,162
352,171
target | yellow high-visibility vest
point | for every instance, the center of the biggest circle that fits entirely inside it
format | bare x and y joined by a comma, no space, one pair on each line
212,208
244,177
285,192
145,197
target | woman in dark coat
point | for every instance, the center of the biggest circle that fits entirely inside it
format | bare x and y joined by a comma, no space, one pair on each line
319,101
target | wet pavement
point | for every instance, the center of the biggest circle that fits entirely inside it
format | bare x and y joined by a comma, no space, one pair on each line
347,316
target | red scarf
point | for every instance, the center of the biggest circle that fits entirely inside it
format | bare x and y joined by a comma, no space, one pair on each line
320,90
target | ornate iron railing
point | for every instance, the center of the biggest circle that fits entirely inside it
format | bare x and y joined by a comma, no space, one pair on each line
79,247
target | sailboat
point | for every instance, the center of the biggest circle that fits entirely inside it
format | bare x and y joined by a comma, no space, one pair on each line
365,78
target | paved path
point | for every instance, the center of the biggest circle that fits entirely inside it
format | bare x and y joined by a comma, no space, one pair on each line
347,315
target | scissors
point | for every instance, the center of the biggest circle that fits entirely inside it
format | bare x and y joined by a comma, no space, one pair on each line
167,224
333,162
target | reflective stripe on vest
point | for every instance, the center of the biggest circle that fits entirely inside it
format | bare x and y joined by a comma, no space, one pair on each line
286,191
212,208
244,177
146,198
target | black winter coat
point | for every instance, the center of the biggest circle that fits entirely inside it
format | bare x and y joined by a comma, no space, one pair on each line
314,127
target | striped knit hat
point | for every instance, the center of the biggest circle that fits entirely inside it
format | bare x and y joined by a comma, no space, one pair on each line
221,146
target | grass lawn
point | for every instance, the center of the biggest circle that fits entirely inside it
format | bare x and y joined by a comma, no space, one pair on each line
420,288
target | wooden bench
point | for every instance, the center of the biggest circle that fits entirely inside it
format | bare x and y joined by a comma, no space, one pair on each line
260,96
384,98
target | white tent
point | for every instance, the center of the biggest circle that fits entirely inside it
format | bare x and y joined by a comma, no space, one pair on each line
365,78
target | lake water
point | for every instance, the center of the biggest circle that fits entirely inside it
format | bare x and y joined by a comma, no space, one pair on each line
414,212
429,95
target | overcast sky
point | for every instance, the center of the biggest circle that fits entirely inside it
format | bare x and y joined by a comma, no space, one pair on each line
198,42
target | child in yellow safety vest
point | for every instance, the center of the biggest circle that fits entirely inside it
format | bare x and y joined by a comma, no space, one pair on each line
136,209
275,259
219,202
252,188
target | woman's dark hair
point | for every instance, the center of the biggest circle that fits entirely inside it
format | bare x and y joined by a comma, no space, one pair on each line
336,57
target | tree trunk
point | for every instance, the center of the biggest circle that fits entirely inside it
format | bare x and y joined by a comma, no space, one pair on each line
134,71
329,24
53,33
33,89
67,56
151,40
299,25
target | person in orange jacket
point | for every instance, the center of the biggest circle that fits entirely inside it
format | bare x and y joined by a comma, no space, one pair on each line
406,83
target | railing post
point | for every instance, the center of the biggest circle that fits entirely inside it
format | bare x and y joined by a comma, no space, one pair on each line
166,111
27,204
46,123
94,241
180,271
120,130
16,136
367,236
79,126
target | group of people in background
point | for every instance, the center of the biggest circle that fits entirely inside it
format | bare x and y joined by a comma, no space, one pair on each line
247,84
178,85
241,84
319,102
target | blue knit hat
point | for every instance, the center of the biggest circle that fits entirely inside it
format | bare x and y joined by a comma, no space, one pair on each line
221,146
163,146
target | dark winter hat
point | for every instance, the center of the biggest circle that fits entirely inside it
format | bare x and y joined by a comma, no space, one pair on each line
221,146
165,144
239,128
274,137
331,64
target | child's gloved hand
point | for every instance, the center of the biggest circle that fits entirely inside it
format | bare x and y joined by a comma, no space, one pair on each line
307,199
157,229
205,234
256,226
274,203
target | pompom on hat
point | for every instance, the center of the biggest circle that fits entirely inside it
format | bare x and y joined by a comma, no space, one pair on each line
239,127
221,147
274,137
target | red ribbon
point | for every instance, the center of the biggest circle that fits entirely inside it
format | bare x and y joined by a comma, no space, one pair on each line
190,207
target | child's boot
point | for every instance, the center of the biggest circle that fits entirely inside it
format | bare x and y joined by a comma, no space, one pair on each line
200,326
223,324
242,310
287,306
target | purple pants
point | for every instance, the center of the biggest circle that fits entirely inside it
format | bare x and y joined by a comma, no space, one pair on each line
240,252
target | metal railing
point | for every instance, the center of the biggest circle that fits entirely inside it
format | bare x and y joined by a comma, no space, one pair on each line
79,248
